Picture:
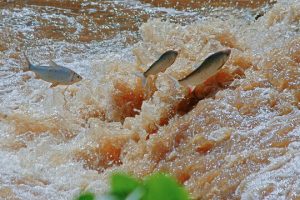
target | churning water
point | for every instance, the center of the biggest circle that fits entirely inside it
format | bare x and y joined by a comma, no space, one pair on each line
239,138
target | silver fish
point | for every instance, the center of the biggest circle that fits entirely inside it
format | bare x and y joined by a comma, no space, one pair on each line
208,68
54,73
164,61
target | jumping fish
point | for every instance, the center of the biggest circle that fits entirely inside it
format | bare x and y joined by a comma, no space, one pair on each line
164,61
54,73
160,65
207,68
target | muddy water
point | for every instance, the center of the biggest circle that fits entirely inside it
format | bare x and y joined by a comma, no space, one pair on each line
240,141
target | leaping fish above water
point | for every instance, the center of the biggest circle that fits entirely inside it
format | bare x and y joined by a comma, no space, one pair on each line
160,65
207,68
164,61
54,73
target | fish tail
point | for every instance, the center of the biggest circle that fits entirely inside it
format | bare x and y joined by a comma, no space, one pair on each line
28,67
176,82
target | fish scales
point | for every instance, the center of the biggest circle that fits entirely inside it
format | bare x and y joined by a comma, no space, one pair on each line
55,74
206,69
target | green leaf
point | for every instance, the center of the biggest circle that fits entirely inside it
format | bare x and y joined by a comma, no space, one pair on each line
136,194
122,185
86,196
108,197
163,187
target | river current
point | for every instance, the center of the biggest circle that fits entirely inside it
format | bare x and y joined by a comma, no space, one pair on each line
239,138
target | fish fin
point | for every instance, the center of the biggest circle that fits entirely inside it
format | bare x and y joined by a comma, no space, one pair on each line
191,89
176,82
28,67
53,64
144,82
185,83
141,75
53,85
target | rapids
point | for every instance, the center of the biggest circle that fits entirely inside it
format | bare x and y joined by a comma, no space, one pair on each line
237,137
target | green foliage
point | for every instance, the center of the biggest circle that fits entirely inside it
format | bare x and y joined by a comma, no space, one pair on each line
155,187
122,185
160,186
86,196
